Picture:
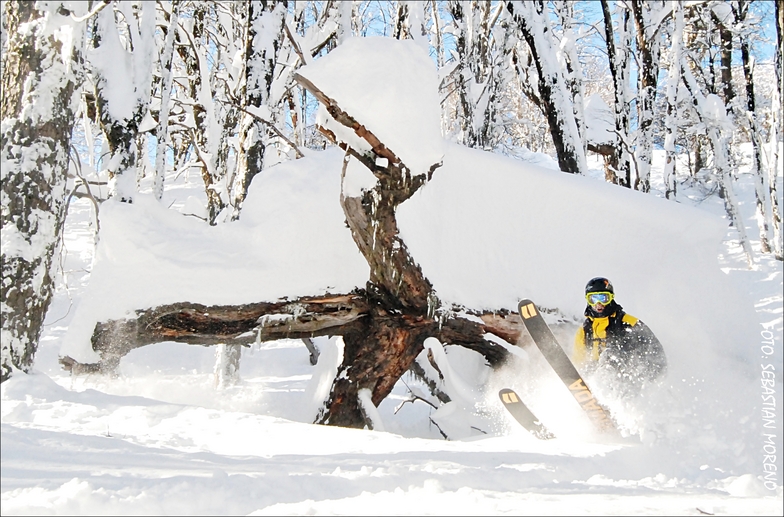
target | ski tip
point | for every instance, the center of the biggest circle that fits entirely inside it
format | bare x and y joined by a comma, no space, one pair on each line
527,309
523,415
508,396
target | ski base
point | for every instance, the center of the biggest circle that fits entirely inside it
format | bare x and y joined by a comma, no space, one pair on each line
523,415
560,362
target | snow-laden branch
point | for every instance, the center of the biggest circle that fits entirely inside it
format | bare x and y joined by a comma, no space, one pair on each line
274,129
97,9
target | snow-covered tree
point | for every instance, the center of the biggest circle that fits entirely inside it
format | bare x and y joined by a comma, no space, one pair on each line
713,116
200,137
40,66
619,57
121,59
647,20
567,53
532,20
776,132
264,39
673,81
471,26
165,87
762,188
411,22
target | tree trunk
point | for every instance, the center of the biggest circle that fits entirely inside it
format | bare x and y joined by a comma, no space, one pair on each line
400,27
725,60
263,42
162,132
227,365
671,122
403,303
574,72
465,76
649,48
621,160
38,105
374,358
761,187
491,132
532,20
380,343
721,159
120,117
438,44
776,133
200,103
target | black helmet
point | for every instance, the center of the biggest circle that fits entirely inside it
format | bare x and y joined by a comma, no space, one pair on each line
598,284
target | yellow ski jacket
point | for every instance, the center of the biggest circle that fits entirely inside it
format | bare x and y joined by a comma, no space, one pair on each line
620,340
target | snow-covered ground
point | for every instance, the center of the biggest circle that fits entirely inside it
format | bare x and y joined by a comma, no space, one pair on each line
161,438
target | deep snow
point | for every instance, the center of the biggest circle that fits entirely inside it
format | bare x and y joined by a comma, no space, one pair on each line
160,438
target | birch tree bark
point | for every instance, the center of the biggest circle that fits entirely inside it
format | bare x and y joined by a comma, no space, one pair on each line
532,21
492,129
200,131
574,74
673,80
38,105
649,48
618,56
626,163
410,22
263,42
715,126
123,92
470,30
725,57
167,77
777,129
761,187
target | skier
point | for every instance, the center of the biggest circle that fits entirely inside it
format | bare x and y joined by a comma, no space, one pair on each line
614,341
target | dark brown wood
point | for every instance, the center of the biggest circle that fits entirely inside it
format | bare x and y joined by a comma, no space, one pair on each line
197,324
380,344
374,358
347,120
298,319
403,302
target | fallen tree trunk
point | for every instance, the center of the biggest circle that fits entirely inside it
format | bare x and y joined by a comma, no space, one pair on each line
384,325
350,315
197,324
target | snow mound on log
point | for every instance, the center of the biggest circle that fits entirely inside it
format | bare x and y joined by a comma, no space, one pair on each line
290,241
486,230
390,87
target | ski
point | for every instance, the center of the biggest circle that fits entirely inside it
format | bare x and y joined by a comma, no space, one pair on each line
555,355
523,415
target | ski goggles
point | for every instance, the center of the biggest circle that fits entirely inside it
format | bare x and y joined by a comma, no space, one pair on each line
603,297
